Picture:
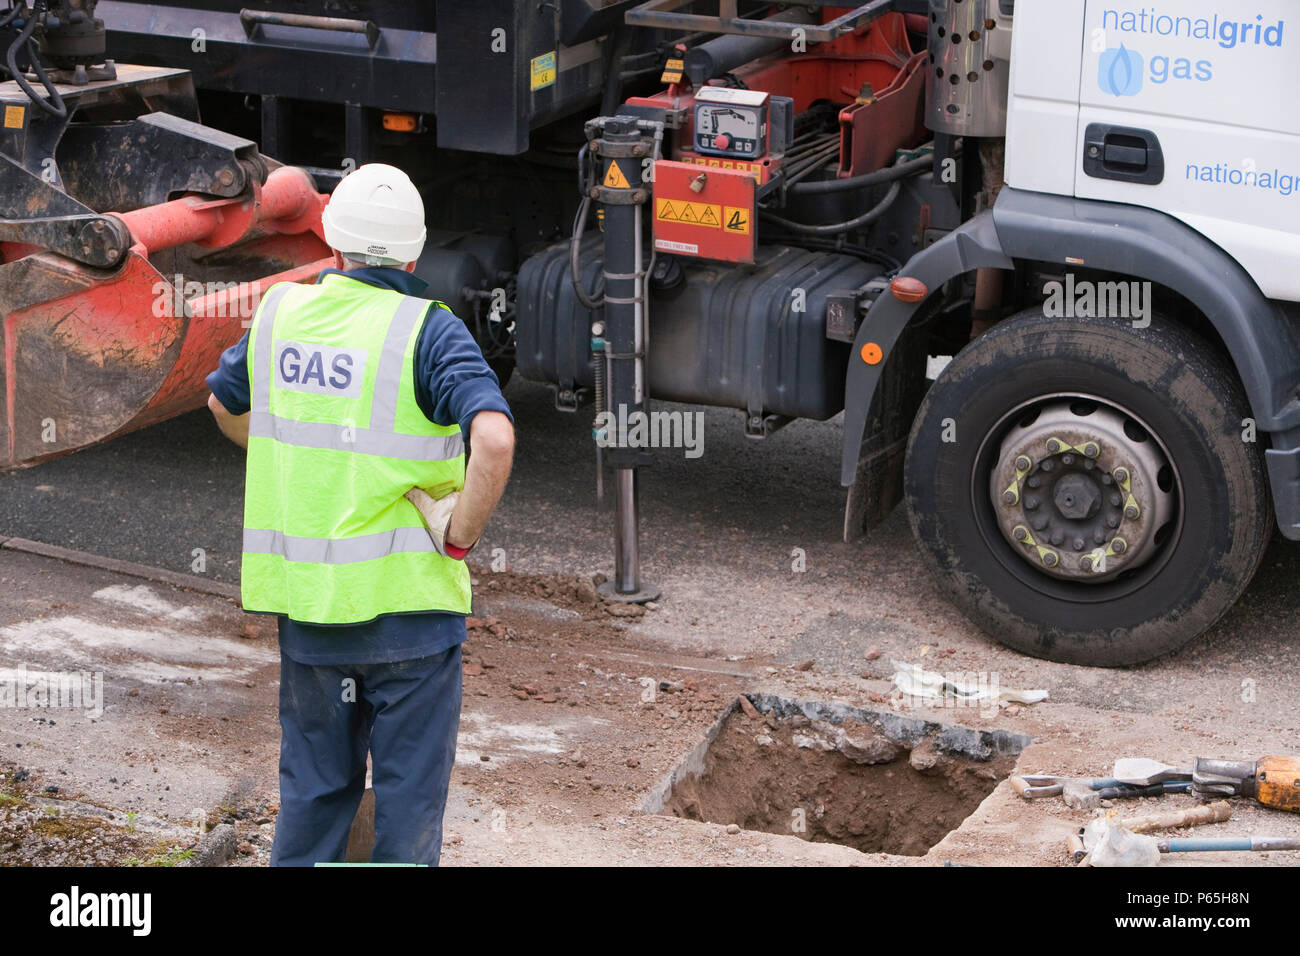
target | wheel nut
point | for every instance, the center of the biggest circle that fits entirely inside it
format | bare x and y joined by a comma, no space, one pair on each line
1131,512
1020,533
1023,463
1048,466
1034,482
1119,545
1050,559
1008,497
1092,449
1121,475
1067,459
1116,500
1053,445
1085,563
1032,502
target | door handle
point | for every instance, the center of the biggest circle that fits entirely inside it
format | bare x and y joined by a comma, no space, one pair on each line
1123,153
252,19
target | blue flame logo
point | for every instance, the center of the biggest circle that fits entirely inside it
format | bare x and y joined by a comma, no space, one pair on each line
1120,73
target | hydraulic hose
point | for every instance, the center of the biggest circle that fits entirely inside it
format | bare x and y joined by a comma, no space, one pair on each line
54,105
887,175
596,300
835,228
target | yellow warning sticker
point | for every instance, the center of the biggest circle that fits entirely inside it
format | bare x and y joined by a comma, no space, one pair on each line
13,117
543,71
754,169
615,178
673,70
691,213
736,219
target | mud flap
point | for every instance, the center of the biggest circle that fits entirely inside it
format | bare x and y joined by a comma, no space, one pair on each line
878,484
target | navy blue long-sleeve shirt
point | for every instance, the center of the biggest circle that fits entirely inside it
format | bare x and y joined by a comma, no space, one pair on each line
453,383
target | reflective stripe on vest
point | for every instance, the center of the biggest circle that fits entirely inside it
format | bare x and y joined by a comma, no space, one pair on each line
365,547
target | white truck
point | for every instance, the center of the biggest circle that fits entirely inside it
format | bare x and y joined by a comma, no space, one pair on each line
1103,234
1121,445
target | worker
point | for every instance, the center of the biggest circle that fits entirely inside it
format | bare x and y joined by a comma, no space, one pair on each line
354,398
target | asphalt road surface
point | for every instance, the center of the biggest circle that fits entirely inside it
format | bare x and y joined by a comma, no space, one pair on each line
719,532
158,494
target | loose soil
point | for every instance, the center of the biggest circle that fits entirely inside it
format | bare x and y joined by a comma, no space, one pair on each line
847,784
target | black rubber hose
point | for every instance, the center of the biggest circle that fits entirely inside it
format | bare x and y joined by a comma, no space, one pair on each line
597,300
887,175
54,105
835,228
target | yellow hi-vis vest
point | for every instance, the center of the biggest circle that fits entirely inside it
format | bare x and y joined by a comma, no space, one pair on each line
336,439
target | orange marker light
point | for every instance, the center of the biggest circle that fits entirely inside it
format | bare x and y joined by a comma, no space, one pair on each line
871,353
400,122
906,289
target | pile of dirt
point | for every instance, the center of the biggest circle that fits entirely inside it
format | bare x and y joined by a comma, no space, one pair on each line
576,593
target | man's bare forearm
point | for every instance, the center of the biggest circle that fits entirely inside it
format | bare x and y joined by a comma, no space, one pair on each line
234,427
492,448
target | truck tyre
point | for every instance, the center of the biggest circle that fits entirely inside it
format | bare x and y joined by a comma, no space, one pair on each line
1083,489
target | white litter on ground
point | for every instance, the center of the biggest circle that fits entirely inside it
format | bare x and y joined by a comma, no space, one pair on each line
979,687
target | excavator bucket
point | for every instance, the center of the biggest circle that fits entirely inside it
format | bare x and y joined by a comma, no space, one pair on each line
135,245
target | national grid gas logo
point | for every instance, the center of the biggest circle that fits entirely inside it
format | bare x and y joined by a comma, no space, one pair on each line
1120,73
1124,71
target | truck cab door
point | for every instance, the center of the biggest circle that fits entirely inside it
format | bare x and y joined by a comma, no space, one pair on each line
1190,108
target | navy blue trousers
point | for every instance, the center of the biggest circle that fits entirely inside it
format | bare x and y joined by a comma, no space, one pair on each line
406,715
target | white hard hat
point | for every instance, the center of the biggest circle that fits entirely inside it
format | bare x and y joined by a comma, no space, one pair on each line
375,214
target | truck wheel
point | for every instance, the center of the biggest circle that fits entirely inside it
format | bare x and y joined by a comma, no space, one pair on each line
1082,488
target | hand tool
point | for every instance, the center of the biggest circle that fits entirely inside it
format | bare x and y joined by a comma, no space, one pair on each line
1078,844
1119,847
1274,781
1216,812
1205,844
1037,785
1079,796
1142,772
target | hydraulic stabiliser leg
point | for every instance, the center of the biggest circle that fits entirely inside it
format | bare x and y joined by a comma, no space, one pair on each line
622,145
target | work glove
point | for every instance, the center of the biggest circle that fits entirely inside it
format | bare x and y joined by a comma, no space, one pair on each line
436,513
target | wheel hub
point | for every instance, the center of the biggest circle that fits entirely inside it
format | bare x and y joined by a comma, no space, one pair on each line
1081,491
1077,496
